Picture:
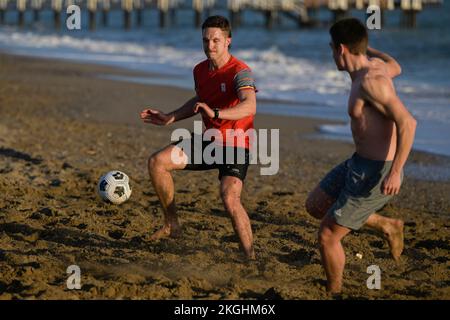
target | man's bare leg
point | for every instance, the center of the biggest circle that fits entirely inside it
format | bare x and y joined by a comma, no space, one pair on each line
160,166
231,188
392,229
332,252
318,203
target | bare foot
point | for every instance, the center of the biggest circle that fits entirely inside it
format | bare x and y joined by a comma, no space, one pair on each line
334,288
335,295
250,256
165,232
395,238
248,253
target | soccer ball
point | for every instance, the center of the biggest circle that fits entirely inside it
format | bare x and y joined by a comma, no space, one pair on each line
114,187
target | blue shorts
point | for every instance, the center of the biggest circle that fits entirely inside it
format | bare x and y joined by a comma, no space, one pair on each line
356,185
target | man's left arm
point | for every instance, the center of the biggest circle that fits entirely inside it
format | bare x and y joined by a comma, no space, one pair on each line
244,85
393,67
381,93
246,107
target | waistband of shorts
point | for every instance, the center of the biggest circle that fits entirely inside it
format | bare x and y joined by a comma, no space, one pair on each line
358,157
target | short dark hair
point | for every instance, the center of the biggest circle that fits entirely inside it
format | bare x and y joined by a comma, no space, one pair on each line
351,33
217,22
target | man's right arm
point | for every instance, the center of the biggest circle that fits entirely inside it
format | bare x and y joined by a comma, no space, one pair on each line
380,92
393,67
185,111
162,119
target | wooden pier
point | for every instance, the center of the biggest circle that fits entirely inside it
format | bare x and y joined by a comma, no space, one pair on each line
303,12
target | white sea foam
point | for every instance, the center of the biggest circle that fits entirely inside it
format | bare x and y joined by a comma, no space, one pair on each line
318,88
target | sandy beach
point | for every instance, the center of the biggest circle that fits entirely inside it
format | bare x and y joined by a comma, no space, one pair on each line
62,127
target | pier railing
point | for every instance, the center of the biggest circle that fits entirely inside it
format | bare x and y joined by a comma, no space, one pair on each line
303,11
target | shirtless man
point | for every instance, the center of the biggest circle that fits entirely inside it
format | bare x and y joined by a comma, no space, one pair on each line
225,97
383,132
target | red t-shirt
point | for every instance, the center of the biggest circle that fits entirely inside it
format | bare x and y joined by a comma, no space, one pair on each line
219,89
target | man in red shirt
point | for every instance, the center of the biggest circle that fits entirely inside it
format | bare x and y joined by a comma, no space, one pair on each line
225,97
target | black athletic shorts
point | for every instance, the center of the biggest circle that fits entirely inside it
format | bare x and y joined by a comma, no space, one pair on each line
231,161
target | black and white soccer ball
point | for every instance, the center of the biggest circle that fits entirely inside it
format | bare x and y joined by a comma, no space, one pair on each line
114,187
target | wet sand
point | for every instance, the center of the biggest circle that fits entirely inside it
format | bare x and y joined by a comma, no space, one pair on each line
61,128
